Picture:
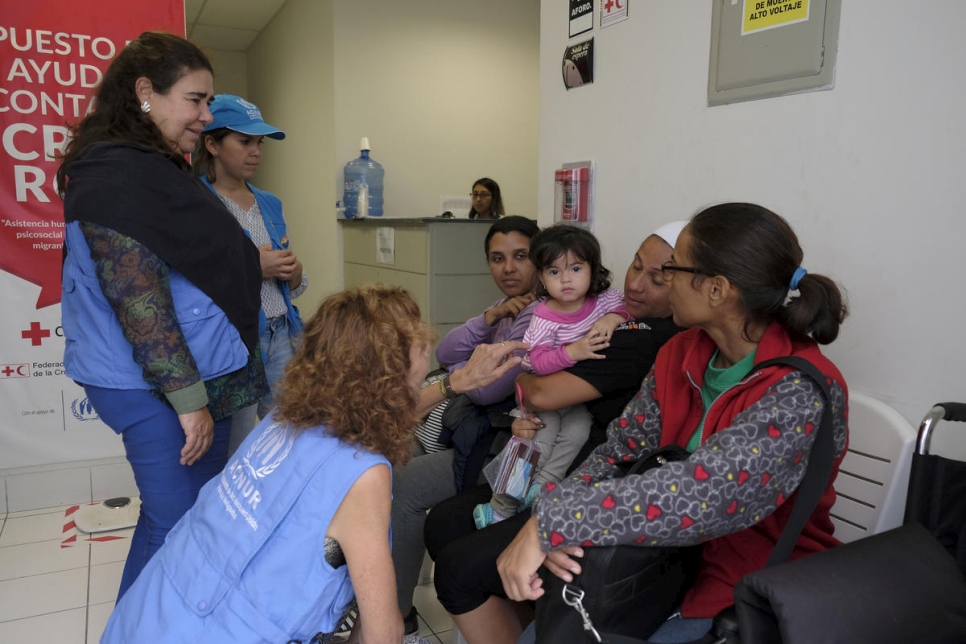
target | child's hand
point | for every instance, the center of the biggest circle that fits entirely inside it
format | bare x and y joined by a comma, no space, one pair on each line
526,427
604,327
586,347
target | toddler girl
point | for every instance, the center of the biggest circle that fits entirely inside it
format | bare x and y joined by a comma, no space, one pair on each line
576,320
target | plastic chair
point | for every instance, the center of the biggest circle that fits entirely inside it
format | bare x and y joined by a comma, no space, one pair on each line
873,479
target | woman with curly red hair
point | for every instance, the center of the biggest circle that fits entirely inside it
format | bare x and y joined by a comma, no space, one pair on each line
297,524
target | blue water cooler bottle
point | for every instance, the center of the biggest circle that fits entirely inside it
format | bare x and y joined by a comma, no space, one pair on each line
366,175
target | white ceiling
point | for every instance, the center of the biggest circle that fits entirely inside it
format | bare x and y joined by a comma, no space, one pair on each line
230,25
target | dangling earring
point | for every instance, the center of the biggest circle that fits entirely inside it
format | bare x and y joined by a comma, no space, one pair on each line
145,107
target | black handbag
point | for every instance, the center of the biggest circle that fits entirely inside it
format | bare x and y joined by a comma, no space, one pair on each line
622,597
904,585
897,587
626,589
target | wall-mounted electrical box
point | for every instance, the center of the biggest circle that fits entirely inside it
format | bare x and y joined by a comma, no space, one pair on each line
764,48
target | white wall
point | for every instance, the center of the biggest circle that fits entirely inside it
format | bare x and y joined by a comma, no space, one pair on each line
290,79
231,71
869,174
446,91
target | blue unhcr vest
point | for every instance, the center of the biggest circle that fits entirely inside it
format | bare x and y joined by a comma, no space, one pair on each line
271,208
96,351
246,563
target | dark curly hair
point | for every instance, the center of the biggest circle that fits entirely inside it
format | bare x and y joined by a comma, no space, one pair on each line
556,241
351,370
162,58
759,252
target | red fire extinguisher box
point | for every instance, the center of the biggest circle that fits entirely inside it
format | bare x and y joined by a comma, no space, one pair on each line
572,194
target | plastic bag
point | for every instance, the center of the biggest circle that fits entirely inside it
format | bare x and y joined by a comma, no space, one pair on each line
512,471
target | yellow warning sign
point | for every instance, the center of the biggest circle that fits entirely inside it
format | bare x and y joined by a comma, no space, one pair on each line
768,14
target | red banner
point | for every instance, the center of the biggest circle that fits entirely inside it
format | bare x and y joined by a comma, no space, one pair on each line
52,57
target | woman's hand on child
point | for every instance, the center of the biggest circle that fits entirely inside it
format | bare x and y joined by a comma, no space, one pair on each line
510,308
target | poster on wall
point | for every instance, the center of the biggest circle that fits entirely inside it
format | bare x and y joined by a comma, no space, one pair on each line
612,12
578,64
581,16
52,57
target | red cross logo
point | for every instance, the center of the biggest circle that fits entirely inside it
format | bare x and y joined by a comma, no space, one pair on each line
15,371
35,334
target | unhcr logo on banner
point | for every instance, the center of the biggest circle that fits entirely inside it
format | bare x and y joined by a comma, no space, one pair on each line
83,410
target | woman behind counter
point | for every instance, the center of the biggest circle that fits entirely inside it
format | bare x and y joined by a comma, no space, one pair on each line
165,346
298,522
228,156
487,200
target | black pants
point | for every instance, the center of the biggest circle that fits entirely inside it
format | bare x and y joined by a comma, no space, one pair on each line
465,557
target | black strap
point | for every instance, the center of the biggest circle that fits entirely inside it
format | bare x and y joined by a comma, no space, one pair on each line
819,467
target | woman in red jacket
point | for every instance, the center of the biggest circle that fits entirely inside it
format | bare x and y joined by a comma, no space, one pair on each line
749,431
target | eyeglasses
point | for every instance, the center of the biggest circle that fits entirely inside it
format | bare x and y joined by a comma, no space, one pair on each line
480,195
668,269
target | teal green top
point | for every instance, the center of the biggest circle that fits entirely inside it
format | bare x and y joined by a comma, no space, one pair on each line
716,382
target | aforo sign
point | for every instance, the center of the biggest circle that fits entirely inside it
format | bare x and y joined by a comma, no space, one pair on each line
52,56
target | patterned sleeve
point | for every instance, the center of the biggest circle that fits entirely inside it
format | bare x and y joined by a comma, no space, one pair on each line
303,285
737,477
135,282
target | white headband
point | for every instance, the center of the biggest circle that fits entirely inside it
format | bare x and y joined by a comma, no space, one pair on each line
669,232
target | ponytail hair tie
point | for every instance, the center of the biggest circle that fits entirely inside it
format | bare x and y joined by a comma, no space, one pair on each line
796,278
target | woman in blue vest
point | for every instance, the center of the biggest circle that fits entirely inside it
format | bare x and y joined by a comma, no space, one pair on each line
160,285
228,156
298,522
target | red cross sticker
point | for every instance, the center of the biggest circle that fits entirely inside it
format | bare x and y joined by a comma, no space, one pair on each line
35,334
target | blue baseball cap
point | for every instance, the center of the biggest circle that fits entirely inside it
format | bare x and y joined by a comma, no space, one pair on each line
238,115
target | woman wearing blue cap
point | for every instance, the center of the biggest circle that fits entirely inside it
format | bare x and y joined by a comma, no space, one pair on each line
228,155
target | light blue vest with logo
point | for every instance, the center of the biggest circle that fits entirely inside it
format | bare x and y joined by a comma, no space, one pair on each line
96,351
246,563
271,209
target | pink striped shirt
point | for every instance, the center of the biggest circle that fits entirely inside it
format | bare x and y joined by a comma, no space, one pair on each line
550,331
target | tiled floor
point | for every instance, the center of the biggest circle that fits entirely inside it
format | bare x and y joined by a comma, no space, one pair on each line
57,589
